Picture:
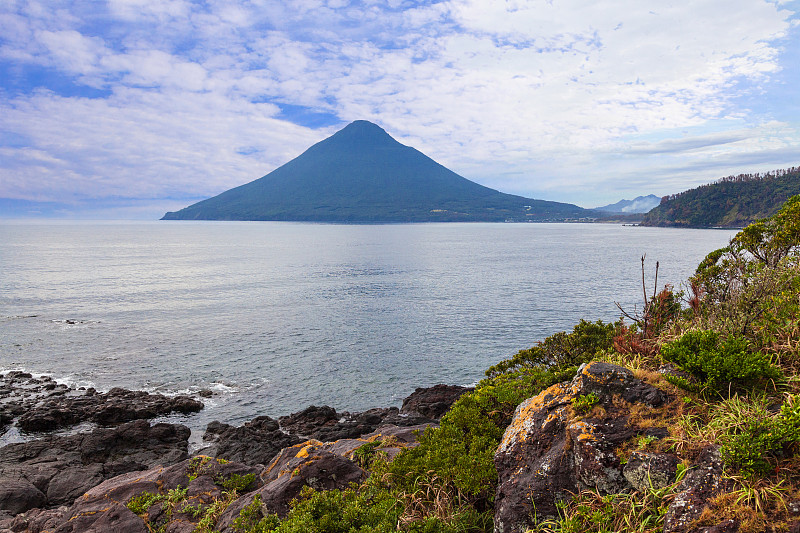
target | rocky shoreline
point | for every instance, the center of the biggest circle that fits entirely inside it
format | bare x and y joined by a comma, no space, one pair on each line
47,482
138,477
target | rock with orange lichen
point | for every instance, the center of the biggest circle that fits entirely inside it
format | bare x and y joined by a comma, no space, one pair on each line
549,451
304,464
104,508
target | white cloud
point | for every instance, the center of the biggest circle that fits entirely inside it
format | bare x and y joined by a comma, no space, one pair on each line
530,97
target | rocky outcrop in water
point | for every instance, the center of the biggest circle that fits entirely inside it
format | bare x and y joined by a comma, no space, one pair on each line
260,440
432,402
41,404
325,424
255,442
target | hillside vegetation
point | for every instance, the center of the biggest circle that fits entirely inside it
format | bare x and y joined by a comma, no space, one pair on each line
731,202
733,342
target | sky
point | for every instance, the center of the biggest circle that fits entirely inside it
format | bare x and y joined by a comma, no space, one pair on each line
130,108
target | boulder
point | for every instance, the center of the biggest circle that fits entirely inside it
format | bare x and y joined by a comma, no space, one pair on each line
549,451
114,407
432,402
255,442
645,470
305,464
325,424
19,495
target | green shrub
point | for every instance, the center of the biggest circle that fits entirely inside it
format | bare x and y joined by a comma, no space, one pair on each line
750,287
721,366
562,350
334,511
460,453
365,454
753,447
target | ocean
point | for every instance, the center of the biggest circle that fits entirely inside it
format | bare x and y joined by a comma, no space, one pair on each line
275,316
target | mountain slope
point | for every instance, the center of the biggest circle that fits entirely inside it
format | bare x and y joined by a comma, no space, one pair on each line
361,174
731,202
640,204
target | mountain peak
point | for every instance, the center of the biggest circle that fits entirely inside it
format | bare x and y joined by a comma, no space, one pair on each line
361,174
362,132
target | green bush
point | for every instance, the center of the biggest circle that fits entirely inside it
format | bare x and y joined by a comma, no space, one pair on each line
752,448
141,503
460,453
562,350
750,287
721,366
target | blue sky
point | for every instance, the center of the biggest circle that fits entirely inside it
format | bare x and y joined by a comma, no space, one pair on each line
130,108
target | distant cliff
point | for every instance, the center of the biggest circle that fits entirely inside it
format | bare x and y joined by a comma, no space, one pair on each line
361,174
731,202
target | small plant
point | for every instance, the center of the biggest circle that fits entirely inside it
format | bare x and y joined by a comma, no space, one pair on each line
235,482
583,404
365,454
645,440
251,519
196,465
141,503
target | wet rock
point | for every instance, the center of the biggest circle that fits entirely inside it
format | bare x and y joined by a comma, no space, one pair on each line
549,452
703,480
432,402
645,470
63,468
255,442
310,420
114,407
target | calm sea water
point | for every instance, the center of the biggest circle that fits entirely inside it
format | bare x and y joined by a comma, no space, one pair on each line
278,316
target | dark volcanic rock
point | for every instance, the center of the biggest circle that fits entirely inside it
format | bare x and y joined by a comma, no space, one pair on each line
644,470
301,465
256,442
549,452
63,468
325,424
114,407
309,420
432,402
104,507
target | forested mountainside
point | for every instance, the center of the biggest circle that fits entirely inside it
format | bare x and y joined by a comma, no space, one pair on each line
731,202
